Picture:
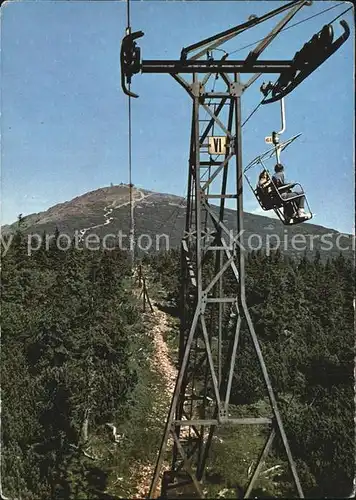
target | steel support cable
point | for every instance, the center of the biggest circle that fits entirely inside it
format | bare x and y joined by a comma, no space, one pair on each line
212,90
128,14
293,26
132,217
252,113
213,126
284,29
337,17
176,213
341,14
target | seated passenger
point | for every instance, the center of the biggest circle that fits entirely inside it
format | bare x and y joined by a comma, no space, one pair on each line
263,180
279,181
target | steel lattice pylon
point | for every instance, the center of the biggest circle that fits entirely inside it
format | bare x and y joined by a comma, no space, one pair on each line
209,338
207,354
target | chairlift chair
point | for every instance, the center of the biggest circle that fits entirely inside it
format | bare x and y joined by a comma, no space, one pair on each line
270,198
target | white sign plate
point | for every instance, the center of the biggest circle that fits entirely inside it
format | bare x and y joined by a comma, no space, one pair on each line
217,145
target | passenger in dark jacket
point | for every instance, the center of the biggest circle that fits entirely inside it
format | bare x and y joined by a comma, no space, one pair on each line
279,181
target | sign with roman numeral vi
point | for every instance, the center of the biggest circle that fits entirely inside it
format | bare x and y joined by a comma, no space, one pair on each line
217,145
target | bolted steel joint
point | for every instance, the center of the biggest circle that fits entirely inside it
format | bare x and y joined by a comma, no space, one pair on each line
197,89
223,414
236,89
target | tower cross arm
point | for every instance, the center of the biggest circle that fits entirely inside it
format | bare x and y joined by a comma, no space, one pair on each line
218,39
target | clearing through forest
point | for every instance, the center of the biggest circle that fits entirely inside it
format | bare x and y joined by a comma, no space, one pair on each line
161,363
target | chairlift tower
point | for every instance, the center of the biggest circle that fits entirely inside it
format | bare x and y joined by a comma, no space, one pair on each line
207,350
211,319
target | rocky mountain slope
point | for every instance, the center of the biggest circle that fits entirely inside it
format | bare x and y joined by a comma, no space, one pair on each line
159,222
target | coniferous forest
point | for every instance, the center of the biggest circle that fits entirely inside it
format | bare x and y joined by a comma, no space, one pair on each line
74,363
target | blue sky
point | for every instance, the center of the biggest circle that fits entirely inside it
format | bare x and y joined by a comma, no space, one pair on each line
64,118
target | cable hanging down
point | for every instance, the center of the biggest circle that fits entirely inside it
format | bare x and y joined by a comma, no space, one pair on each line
128,29
132,215
131,200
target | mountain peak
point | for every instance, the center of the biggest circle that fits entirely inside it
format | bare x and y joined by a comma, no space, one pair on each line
106,211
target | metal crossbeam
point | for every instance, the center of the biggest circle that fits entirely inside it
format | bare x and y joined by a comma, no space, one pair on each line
176,66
